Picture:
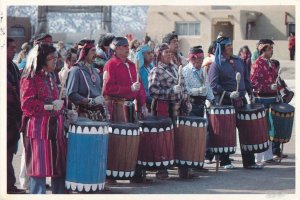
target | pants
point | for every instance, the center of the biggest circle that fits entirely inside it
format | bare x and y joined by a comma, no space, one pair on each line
38,185
11,179
292,53
276,148
24,179
266,155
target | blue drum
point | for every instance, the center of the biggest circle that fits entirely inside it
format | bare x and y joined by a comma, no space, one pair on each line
282,118
87,155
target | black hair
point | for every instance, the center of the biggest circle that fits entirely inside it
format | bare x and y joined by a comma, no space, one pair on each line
167,39
43,51
276,63
212,47
244,47
69,52
264,41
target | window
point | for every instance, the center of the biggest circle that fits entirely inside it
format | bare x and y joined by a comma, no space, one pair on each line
16,32
291,28
220,7
187,28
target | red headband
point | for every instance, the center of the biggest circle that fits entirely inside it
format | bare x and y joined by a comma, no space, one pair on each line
196,55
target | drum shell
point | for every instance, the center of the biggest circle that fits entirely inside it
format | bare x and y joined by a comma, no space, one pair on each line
156,150
87,155
253,128
222,129
190,141
282,122
123,143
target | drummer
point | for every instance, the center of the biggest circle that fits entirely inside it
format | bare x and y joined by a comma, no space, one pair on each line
83,84
222,78
121,85
169,98
263,78
195,80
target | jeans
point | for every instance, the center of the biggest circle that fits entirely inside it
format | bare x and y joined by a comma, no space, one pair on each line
38,185
276,148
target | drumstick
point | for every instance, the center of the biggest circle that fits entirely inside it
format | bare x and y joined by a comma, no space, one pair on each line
238,79
204,75
137,67
221,99
104,79
179,74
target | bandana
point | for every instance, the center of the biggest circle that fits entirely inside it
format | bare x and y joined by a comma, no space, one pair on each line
139,56
158,51
84,50
118,41
222,41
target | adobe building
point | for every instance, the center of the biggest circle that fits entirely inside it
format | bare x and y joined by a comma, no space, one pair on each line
199,25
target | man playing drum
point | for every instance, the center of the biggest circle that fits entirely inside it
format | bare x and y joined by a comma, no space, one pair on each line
122,85
170,96
222,79
263,78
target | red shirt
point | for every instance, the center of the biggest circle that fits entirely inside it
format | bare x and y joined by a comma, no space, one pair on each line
263,76
291,42
119,80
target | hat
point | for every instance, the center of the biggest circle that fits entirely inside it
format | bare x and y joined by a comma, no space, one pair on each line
167,39
118,41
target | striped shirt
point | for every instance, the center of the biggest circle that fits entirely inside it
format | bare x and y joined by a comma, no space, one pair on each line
162,79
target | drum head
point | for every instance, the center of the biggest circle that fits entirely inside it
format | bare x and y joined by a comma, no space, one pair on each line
123,125
222,107
282,107
82,121
252,108
156,122
192,119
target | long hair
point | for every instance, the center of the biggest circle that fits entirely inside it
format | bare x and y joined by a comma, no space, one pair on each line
37,59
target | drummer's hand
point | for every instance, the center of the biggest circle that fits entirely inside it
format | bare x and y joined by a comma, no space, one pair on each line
57,104
202,91
72,115
135,87
177,89
252,99
145,111
274,86
189,107
234,95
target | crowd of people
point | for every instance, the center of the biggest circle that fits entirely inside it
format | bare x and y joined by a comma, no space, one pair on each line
48,88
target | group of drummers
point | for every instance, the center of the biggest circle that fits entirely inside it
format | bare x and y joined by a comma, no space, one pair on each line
154,113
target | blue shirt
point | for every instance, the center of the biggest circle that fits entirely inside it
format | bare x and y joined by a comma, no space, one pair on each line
194,79
223,77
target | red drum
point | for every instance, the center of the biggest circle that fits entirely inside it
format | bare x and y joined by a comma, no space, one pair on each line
190,141
222,129
156,150
253,128
123,145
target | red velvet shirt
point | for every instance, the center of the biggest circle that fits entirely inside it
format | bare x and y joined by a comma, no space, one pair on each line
118,82
262,76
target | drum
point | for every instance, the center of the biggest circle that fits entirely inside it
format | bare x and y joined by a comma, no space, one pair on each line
123,145
156,150
86,155
222,129
281,118
267,101
190,141
253,128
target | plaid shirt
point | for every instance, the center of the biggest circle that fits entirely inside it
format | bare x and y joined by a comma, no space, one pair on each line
161,83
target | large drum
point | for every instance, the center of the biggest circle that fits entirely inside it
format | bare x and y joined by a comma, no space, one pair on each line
190,141
86,156
123,145
156,149
253,128
222,129
281,119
